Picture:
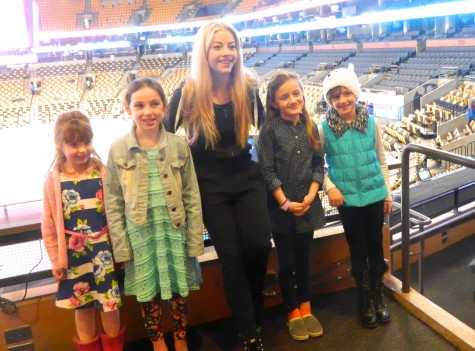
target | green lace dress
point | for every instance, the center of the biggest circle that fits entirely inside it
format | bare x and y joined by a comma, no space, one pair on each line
161,264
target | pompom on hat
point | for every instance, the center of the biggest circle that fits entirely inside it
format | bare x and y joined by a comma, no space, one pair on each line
345,77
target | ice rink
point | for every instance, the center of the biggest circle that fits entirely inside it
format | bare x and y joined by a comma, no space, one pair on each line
26,154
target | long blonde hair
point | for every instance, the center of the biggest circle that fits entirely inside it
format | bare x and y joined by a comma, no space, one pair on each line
277,80
197,104
71,127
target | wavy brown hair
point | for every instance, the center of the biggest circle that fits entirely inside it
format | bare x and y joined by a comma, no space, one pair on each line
277,80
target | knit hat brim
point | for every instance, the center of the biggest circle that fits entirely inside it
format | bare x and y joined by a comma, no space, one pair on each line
344,77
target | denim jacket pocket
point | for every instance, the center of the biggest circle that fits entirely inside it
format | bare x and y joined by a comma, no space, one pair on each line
127,173
176,169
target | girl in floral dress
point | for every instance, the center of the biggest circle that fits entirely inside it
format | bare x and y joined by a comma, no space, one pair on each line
76,236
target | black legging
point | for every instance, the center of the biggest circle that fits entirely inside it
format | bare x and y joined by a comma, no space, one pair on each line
294,254
363,231
235,215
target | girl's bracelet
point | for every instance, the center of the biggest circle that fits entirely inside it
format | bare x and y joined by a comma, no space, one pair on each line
285,206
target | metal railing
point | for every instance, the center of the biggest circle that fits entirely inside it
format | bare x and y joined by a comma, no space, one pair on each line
419,220
415,218
16,203
405,210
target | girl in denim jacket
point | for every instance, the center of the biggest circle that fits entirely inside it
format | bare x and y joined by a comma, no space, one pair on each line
154,213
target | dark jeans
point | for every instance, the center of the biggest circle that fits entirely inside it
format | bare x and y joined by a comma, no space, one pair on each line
293,251
364,233
237,221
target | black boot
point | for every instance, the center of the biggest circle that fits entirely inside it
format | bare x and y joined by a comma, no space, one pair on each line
365,307
253,344
382,312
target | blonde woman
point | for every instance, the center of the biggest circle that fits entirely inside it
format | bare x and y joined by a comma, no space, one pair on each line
217,106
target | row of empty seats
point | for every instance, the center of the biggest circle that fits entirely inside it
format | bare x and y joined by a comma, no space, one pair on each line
59,15
113,65
52,70
63,88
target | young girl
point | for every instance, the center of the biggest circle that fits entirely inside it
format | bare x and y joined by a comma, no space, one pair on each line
292,167
76,236
219,103
154,212
358,185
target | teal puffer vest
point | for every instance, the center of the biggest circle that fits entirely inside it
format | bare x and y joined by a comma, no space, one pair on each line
353,165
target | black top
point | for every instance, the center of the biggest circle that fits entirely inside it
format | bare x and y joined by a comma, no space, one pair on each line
226,153
288,161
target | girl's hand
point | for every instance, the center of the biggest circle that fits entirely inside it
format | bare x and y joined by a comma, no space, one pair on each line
59,274
308,199
298,209
335,197
119,267
388,206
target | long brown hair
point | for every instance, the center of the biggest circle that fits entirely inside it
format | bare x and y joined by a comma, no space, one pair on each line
197,105
72,127
279,79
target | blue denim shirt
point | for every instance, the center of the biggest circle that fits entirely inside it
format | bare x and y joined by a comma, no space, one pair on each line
126,190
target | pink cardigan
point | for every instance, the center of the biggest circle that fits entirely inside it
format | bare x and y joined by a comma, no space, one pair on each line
52,219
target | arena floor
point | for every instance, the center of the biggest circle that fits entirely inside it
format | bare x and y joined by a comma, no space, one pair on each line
26,155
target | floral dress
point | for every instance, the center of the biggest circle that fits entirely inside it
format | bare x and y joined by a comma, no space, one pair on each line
91,279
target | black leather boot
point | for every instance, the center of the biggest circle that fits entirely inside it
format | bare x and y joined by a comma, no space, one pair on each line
381,310
253,344
365,306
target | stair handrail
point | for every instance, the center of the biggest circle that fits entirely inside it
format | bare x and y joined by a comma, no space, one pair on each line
405,213
417,219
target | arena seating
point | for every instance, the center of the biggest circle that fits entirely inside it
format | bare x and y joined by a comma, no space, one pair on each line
246,6
164,12
106,99
321,60
59,15
173,81
112,14
14,104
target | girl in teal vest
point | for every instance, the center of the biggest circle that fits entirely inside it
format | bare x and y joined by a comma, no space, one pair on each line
357,184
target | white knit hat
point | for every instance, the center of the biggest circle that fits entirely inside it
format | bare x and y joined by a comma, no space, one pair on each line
345,77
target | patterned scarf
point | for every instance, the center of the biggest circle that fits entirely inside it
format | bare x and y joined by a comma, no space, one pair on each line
339,126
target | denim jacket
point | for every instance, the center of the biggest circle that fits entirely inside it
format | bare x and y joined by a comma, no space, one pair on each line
126,190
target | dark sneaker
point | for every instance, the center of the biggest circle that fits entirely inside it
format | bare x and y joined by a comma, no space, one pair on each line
253,344
297,329
314,328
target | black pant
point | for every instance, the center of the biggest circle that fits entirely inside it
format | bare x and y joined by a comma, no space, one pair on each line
235,215
293,251
364,233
